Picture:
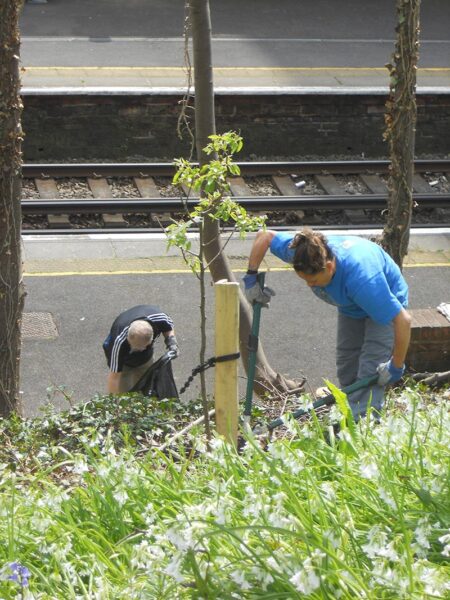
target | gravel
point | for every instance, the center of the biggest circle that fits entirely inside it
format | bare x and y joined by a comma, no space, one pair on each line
123,187
73,188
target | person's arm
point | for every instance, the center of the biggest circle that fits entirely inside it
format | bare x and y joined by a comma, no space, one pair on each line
171,342
392,370
252,288
113,382
259,249
402,334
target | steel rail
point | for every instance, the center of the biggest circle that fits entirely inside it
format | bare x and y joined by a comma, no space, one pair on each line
255,203
57,170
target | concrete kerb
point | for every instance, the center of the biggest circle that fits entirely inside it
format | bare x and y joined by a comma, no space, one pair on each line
148,252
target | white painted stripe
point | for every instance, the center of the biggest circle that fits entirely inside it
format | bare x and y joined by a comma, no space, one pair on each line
145,236
278,90
161,318
120,339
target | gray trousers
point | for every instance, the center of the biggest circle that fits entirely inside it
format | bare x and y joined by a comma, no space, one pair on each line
361,346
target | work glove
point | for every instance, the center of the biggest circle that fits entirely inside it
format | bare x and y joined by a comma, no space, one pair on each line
254,292
388,373
172,345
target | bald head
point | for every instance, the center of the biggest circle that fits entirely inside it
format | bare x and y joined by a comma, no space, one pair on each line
140,335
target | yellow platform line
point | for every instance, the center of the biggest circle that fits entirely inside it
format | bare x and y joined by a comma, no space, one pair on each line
182,271
183,69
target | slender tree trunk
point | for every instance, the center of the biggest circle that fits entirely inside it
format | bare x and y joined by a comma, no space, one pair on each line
401,114
11,286
268,379
203,338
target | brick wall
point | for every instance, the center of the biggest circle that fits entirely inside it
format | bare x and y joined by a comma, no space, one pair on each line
144,126
429,349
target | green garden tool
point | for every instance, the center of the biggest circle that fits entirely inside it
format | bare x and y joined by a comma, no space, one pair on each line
253,340
327,400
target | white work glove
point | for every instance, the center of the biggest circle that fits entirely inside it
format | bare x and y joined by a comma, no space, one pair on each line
254,292
388,373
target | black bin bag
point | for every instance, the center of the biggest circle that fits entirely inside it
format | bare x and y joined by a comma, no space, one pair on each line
158,380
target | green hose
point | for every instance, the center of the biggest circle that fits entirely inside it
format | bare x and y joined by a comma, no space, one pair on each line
253,349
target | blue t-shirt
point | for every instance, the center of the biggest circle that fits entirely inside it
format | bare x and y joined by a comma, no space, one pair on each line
367,282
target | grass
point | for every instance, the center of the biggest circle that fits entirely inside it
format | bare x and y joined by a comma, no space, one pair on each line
92,510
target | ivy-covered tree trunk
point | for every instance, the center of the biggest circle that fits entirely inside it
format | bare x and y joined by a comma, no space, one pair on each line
401,114
267,378
11,287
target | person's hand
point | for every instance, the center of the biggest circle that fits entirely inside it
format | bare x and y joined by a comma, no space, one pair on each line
172,345
389,373
254,292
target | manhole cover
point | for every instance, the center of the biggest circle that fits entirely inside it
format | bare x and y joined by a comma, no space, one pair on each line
38,325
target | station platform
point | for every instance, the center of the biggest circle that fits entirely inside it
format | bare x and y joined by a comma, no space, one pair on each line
287,44
79,284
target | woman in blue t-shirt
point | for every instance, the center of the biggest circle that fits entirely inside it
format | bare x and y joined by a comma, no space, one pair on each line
371,295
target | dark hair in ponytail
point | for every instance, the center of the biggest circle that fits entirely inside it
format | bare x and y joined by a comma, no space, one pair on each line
311,251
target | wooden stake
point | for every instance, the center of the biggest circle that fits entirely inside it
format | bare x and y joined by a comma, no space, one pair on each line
226,373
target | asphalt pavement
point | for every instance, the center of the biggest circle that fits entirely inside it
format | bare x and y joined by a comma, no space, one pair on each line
255,18
83,287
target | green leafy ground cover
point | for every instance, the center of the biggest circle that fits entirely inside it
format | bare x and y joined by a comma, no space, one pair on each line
90,511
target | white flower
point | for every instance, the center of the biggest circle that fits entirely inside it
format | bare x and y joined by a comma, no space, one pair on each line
445,539
182,540
289,422
173,569
140,555
149,515
278,519
422,532
386,496
103,470
328,490
121,497
369,468
335,414
384,575
305,402
332,537
307,431
200,444
388,552
272,563
80,465
345,436
279,497
40,522
221,515
262,576
306,580
376,541
433,581
293,464
239,578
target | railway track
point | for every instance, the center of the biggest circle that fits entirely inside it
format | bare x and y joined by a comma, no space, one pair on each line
139,196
